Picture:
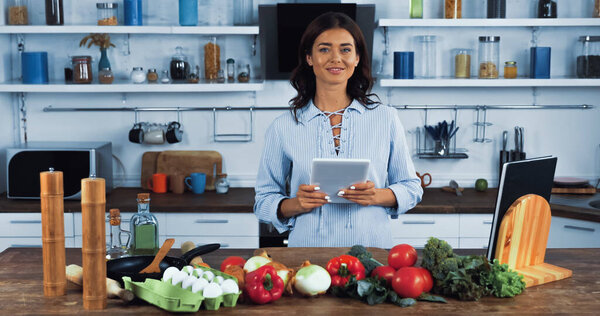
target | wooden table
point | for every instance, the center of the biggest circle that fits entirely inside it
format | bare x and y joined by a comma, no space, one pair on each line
21,289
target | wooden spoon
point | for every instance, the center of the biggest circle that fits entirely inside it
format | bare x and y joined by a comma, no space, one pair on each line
154,267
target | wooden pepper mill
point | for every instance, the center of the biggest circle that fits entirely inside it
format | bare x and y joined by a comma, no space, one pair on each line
53,232
93,248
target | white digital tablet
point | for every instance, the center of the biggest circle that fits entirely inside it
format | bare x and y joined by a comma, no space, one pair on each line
332,175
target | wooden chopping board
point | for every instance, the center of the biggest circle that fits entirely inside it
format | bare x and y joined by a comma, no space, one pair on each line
189,161
149,159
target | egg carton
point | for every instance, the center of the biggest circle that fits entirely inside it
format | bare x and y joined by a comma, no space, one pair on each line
174,298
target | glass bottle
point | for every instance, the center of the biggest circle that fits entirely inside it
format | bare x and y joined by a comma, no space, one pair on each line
180,68
212,59
453,9
144,228
55,12
426,56
416,9
115,249
242,12
496,9
489,56
231,69
17,12
546,9
510,70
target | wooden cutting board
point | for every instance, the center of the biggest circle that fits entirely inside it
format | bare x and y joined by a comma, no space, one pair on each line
189,161
149,159
587,190
522,240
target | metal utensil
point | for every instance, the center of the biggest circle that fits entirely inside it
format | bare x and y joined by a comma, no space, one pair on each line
521,140
504,140
456,188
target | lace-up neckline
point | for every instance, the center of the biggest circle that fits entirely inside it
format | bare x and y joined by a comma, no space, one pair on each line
336,138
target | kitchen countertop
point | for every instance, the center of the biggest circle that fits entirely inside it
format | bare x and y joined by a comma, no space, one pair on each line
241,200
21,292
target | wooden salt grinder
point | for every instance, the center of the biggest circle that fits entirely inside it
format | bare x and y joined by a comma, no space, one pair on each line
93,248
53,232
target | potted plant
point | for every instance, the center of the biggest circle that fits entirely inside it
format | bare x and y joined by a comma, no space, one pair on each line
105,74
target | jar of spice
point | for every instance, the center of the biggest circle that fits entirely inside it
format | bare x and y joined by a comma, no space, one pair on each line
510,70
107,13
137,75
489,56
453,9
588,57
212,59
152,76
244,73
231,69
180,68
105,76
462,63
82,69
17,12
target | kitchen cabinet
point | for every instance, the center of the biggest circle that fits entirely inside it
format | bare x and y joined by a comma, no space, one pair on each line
25,230
415,229
573,233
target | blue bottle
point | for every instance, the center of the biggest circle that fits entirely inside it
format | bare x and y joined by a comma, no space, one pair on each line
188,12
133,12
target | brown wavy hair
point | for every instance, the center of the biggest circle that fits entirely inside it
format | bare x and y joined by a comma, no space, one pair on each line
303,78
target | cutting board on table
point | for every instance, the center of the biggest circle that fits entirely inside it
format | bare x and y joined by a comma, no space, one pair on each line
189,161
149,159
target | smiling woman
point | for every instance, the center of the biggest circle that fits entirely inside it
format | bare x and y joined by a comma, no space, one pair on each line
334,116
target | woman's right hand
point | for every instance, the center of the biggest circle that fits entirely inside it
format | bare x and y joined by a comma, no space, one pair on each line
307,198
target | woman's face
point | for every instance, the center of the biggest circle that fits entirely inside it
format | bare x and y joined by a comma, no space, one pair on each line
333,56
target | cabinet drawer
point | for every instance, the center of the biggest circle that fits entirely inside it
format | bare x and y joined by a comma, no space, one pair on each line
28,225
29,242
249,242
573,233
475,225
420,242
125,218
425,225
474,243
213,224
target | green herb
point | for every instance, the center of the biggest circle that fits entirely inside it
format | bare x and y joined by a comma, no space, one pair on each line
503,282
365,257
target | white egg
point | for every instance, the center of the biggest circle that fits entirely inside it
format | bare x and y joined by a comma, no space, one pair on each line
197,272
199,285
212,290
219,279
188,269
230,286
168,274
188,281
209,275
178,277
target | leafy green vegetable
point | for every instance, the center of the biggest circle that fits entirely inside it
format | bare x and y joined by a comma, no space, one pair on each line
431,298
365,257
402,302
502,281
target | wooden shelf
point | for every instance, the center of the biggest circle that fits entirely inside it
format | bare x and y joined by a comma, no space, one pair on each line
524,82
117,29
489,22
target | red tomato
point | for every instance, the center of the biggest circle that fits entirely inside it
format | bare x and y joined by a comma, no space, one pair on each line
427,279
402,255
232,261
384,272
408,282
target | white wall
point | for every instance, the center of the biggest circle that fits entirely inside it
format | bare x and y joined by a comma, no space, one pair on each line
572,135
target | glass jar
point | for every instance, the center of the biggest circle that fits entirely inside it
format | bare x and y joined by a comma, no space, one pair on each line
69,70
188,12
107,13
222,184
596,13
230,70
144,228
546,9
17,12
426,56
164,77
212,59
416,9
180,68
244,73
152,76
55,12
588,57
137,75
221,76
462,62
496,9
453,9
106,76
489,56
510,70
82,69
242,12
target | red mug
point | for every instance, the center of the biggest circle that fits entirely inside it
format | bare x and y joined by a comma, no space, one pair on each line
158,183
422,177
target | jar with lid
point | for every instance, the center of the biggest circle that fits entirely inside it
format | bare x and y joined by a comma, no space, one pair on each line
462,62
17,12
244,73
230,70
137,75
55,12
180,68
152,76
426,56
489,56
588,57
107,13
510,70
416,9
222,184
546,9
596,13
453,9
221,76
164,77
82,69
69,70
212,59
106,76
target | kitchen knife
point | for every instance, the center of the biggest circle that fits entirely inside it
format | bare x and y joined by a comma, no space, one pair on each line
521,144
504,140
455,186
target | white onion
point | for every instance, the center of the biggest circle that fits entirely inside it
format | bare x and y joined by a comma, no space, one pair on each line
312,280
255,263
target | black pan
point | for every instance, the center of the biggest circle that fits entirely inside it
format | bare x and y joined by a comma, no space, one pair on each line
116,269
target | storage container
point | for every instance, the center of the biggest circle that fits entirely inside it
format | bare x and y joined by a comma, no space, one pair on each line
546,9
188,12
496,9
107,13
18,12
462,62
212,59
426,56
453,9
416,9
82,69
180,68
132,10
137,75
596,12
510,70
588,57
55,12
489,56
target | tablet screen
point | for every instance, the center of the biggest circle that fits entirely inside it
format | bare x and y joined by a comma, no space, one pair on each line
332,175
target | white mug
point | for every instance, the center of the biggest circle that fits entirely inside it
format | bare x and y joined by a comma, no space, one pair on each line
154,136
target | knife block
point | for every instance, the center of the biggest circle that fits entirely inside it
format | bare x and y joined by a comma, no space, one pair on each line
522,240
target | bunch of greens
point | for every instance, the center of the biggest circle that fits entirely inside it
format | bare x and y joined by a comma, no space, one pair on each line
468,277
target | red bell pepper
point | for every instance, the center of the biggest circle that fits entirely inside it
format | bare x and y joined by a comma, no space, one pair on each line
263,285
343,267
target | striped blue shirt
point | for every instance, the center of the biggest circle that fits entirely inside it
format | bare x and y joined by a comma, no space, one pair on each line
290,147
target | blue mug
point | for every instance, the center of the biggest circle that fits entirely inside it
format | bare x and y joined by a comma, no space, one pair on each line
196,182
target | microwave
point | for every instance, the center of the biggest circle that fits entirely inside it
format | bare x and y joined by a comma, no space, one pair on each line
76,160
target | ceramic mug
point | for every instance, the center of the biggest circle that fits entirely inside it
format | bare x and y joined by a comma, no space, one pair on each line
154,136
422,177
196,182
176,184
158,183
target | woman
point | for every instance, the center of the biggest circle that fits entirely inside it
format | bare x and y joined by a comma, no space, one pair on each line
333,116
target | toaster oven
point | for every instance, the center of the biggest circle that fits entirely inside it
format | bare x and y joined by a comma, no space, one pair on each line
77,160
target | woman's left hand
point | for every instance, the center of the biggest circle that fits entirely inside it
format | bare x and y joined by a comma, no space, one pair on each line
362,193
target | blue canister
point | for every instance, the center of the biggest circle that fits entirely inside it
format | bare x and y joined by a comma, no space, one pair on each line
34,66
133,12
188,12
404,65
539,63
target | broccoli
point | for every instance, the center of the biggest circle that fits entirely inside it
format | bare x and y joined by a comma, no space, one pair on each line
435,252
365,257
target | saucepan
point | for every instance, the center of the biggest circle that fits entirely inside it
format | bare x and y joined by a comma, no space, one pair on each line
116,269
